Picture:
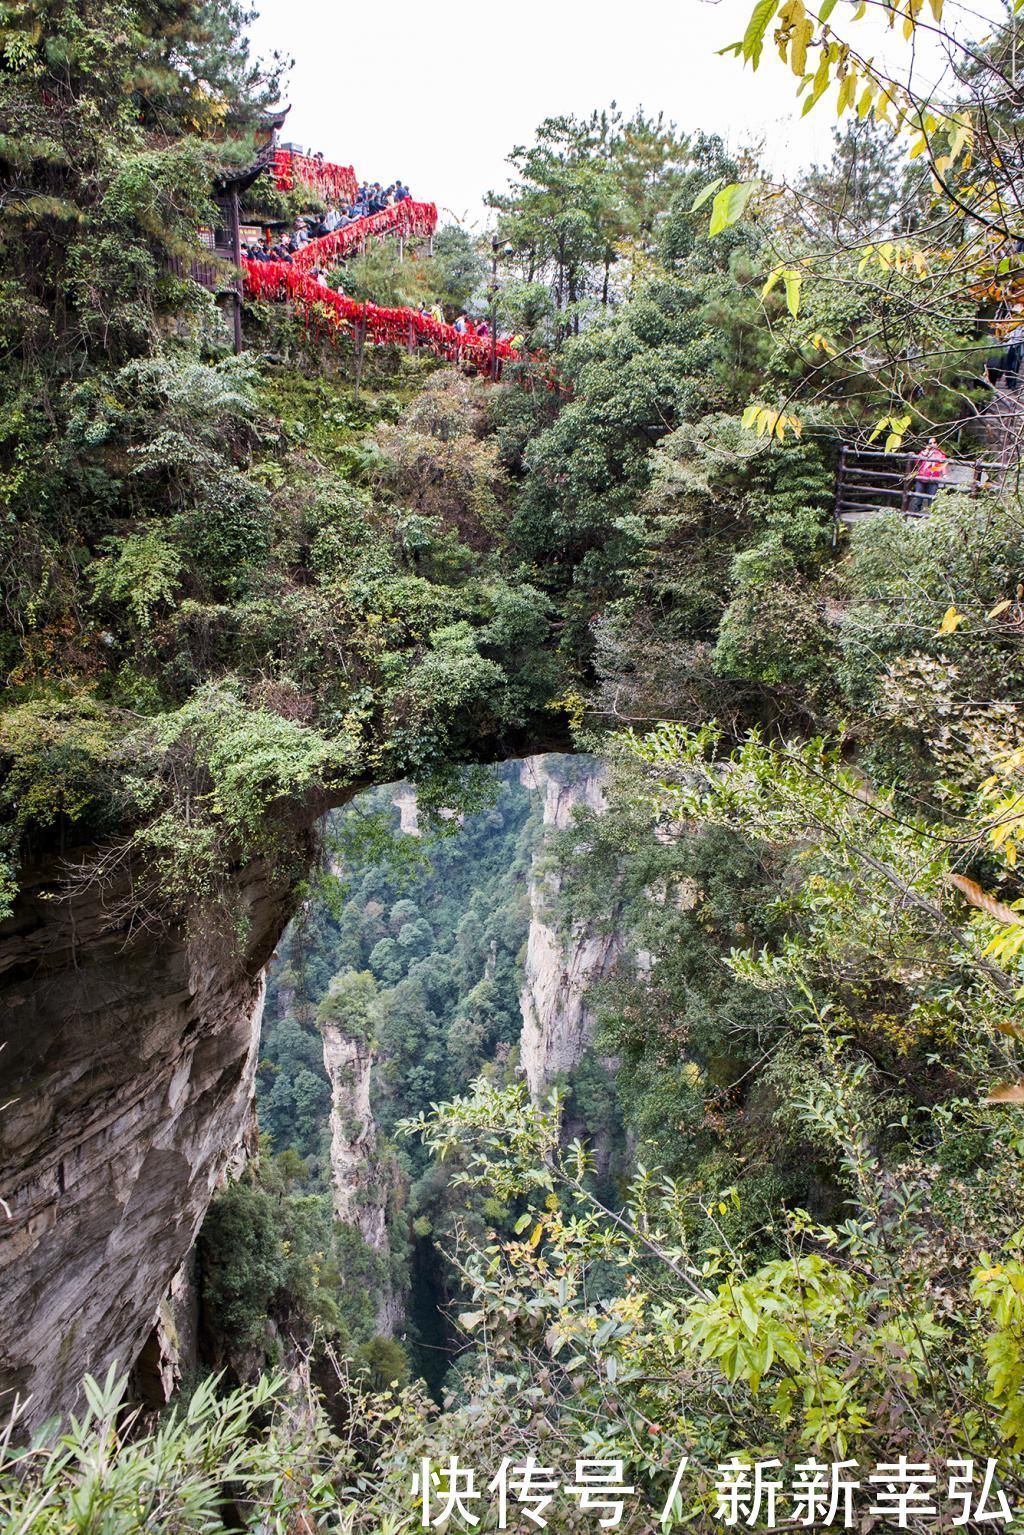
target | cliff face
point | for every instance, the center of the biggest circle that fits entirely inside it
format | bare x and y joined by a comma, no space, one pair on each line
557,1024
349,1064
361,1181
130,1063
406,803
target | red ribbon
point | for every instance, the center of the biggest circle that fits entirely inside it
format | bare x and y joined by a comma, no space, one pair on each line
322,309
334,183
404,218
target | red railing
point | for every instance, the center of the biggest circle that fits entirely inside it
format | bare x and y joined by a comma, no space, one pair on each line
321,309
334,183
404,219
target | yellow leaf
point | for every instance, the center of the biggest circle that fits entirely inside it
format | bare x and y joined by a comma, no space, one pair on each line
773,278
1000,607
951,621
847,91
802,34
536,1234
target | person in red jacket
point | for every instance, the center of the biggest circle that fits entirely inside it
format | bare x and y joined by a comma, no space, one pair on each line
930,469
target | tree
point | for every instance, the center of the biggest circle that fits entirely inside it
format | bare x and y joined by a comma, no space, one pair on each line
936,273
587,190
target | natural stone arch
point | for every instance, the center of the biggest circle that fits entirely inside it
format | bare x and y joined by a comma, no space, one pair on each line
127,1076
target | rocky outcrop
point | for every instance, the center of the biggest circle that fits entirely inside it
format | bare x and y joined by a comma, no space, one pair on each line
406,803
171,1350
128,1065
362,1181
557,1023
349,1065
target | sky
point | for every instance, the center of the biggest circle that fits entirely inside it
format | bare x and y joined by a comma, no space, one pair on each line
438,92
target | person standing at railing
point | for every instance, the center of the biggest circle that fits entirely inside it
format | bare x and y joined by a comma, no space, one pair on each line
930,468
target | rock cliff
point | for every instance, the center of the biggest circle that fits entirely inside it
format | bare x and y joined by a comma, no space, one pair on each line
126,1083
349,1065
557,1023
362,1182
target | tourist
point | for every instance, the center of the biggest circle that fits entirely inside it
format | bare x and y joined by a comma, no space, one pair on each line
401,192
930,468
1013,358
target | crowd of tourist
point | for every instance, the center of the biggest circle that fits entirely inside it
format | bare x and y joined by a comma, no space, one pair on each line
371,197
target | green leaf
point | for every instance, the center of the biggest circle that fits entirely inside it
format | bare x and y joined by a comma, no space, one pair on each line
702,197
821,82
792,281
826,9
730,204
773,278
757,26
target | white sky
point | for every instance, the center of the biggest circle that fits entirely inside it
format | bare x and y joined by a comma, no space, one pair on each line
439,91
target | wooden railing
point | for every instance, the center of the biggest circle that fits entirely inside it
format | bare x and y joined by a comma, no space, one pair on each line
215,271
870,481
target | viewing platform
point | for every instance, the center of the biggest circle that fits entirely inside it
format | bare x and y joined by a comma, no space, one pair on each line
869,481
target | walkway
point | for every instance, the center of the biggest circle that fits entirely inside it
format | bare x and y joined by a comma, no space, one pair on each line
323,311
870,481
